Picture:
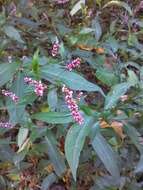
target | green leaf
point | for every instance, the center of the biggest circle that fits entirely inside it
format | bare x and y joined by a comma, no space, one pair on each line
106,76
114,95
98,30
106,182
141,73
53,117
35,63
77,7
74,143
48,181
37,133
139,168
111,44
71,79
6,153
16,111
13,33
106,155
62,50
121,4
7,71
86,30
22,135
132,78
19,157
132,40
52,99
54,155
134,135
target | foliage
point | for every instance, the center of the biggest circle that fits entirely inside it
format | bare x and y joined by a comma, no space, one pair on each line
46,148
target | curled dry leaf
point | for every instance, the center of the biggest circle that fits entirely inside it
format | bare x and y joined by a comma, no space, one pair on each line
116,125
49,168
104,124
118,128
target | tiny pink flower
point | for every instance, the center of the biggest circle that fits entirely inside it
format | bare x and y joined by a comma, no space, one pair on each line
61,1
6,125
39,87
23,57
9,59
124,98
139,7
28,80
11,95
90,13
55,49
12,9
79,95
72,105
73,64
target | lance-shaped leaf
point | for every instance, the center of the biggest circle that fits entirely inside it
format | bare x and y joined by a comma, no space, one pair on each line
16,111
35,63
77,7
74,143
7,71
139,168
120,4
106,155
54,154
48,181
134,135
13,33
22,135
71,79
114,95
53,117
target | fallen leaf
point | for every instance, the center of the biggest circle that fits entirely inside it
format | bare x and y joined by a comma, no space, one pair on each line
90,48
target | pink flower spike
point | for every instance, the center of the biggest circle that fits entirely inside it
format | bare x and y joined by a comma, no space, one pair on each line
39,87
55,49
6,125
11,95
72,105
29,80
73,64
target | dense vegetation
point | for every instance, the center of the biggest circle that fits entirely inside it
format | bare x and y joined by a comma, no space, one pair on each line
71,95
